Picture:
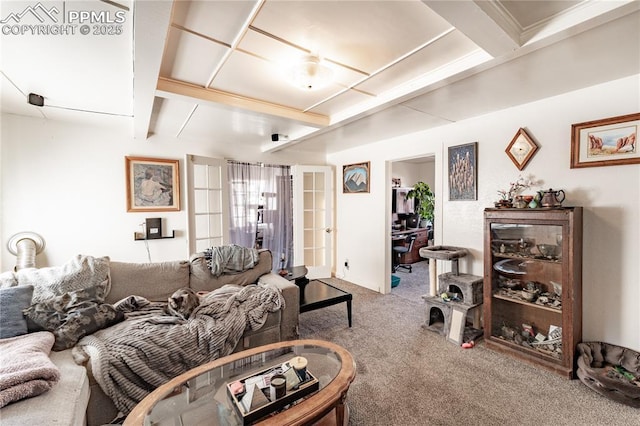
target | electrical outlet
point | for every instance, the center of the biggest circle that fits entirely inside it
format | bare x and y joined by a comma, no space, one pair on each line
346,263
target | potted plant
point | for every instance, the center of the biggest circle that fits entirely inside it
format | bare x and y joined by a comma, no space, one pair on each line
424,201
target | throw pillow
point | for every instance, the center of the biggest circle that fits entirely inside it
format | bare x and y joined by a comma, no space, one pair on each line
12,301
50,314
73,315
78,273
83,321
8,279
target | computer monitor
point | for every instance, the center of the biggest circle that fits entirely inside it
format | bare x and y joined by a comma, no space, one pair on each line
413,221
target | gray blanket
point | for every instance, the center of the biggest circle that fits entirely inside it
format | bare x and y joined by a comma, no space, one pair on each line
132,358
230,258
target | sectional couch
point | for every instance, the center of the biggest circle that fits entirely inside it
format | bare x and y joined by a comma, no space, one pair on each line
78,399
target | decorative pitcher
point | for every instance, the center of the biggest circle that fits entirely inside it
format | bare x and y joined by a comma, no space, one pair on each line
551,198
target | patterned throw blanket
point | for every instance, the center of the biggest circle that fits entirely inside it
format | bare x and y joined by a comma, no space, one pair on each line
231,258
25,367
132,358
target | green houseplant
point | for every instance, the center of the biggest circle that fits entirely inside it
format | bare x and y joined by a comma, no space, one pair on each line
424,200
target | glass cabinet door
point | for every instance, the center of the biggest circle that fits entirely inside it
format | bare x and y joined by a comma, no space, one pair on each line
527,286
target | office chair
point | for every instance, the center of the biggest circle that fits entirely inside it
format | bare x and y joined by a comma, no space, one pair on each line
400,250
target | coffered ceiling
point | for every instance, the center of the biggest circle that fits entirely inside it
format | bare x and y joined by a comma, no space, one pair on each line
219,71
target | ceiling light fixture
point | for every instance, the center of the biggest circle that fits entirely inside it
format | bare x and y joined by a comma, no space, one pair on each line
311,74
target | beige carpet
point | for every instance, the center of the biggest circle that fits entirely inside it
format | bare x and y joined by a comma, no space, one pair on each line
407,375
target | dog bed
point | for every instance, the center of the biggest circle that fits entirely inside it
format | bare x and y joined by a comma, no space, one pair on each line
610,370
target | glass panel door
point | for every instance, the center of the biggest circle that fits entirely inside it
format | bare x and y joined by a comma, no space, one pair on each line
312,219
207,196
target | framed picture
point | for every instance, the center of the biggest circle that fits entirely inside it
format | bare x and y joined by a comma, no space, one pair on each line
521,149
355,178
153,184
463,172
609,142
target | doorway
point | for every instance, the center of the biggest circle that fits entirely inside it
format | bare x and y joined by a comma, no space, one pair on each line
404,174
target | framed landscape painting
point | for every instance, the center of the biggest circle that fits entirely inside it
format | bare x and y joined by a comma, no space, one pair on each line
463,172
355,178
608,142
153,184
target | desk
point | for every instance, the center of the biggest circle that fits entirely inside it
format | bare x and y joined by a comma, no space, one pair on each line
399,237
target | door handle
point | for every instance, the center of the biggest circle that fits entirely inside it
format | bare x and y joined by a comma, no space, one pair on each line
328,230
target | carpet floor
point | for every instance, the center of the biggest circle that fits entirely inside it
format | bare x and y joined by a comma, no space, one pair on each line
409,375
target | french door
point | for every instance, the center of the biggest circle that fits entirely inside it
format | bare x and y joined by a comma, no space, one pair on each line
313,219
207,202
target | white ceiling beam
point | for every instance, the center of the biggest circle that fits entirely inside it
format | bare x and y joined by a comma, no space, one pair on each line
174,89
493,32
151,27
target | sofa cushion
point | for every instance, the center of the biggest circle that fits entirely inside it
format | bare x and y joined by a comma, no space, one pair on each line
153,281
65,404
78,273
203,280
12,301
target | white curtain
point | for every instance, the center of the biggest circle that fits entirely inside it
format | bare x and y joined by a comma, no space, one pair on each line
260,208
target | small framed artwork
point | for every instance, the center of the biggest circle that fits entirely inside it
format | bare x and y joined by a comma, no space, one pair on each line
521,149
463,172
355,178
608,142
153,184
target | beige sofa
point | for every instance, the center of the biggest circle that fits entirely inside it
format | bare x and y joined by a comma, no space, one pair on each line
77,399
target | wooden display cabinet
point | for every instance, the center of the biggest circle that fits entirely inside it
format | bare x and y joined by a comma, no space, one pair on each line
532,292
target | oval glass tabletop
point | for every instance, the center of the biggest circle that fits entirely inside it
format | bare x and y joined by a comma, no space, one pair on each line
202,395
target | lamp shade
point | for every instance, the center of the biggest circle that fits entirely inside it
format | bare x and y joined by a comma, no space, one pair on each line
311,74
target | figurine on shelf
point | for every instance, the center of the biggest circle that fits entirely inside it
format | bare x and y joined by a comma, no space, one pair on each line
520,202
507,197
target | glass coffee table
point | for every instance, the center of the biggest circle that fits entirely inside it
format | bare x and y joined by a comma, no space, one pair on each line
200,396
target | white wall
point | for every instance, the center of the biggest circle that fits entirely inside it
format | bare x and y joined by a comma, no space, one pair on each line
410,173
67,183
610,197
